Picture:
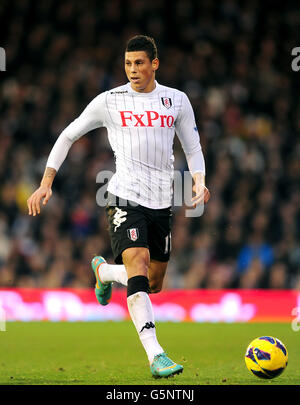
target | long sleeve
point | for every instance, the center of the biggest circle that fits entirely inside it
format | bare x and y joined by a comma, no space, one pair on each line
59,152
92,117
188,135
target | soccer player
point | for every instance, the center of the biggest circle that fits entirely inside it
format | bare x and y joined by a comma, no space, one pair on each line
141,118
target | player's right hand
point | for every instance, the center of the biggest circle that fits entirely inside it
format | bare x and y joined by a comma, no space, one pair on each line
33,202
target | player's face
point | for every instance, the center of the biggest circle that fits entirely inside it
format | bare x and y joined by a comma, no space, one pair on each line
140,71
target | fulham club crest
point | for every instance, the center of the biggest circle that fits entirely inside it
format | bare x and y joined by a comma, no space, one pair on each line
133,234
167,102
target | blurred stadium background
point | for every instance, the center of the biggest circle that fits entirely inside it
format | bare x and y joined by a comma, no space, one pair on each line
232,58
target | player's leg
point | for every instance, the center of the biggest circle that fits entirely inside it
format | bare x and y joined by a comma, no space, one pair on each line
117,273
137,262
159,246
106,274
159,239
157,271
109,273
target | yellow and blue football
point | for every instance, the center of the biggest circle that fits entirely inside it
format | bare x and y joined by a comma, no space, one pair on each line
266,357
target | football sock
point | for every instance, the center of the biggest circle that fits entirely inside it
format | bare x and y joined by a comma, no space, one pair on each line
141,313
113,272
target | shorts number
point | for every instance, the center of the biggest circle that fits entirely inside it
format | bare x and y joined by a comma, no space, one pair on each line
167,244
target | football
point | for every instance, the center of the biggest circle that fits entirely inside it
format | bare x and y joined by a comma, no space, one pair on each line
266,357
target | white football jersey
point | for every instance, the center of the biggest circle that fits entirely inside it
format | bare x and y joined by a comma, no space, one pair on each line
141,129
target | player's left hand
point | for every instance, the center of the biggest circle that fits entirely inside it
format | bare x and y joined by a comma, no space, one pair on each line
202,194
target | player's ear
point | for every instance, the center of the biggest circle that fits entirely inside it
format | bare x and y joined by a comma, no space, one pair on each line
155,64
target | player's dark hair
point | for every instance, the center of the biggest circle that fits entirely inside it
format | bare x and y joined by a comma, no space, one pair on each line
142,43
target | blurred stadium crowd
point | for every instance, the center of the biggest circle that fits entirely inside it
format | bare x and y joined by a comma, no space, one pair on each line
232,58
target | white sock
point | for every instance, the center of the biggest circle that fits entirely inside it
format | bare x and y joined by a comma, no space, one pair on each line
113,272
141,312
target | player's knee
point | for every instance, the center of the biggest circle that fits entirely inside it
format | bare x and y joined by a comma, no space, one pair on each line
137,260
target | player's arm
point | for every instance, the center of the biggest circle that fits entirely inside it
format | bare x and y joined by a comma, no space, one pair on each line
55,160
188,135
92,117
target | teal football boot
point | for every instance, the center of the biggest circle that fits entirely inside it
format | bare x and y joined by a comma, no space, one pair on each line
162,366
102,291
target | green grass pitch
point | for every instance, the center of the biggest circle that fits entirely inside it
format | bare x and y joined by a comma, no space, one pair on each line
110,353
